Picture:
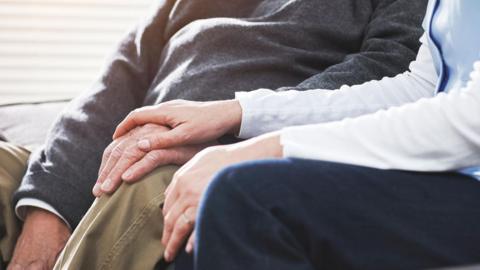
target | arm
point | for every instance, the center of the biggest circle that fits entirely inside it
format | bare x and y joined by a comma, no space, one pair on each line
64,171
389,44
24,204
265,110
436,134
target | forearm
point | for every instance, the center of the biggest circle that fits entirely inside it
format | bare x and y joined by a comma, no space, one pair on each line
436,134
265,110
25,204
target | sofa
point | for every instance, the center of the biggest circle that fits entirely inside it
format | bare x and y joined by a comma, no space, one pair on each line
27,124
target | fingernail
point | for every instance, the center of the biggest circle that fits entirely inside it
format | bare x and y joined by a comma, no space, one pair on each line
189,248
107,185
127,175
167,256
144,144
96,190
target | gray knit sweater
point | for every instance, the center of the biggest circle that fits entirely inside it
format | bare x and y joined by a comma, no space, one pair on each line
207,50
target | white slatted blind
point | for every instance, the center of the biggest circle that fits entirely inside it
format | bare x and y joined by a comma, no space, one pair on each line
52,49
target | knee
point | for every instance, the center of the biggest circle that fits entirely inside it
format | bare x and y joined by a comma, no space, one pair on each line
259,184
147,189
156,181
232,192
228,184
13,163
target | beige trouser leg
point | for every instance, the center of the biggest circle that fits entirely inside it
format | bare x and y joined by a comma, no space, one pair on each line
122,231
13,163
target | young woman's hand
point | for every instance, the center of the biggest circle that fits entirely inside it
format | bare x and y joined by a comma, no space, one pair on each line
190,122
189,184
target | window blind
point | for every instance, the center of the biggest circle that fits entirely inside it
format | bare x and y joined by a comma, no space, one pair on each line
52,49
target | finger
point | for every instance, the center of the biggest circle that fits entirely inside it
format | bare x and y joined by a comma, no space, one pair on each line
167,190
15,267
97,191
109,163
37,265
180,233
114,178
190,243
172,194
108,151
115,155
171,187
139,117
177,209
106,155
177,136
147,164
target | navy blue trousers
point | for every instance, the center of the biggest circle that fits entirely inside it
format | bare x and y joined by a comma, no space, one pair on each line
300,214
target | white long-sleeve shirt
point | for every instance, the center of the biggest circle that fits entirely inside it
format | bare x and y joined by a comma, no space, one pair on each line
394,123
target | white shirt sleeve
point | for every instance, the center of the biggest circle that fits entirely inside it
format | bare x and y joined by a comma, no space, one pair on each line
434,134
266,110
30,202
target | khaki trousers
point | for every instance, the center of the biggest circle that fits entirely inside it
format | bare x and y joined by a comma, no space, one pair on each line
121,231
13,163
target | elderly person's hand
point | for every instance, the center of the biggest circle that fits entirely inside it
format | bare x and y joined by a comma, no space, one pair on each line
123,160
189,184
190,122
43,237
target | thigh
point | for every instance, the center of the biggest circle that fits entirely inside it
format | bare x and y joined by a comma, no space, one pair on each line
351,217
121,231
13,163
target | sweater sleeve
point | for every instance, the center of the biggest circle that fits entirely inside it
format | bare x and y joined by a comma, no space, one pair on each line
390,43
434,134
266,110
63,171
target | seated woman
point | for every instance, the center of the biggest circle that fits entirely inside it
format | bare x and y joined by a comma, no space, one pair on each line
395,186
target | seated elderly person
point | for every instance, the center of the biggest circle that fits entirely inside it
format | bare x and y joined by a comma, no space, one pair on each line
186,49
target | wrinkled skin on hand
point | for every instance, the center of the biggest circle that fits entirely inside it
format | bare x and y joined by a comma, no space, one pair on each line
43,237
123,161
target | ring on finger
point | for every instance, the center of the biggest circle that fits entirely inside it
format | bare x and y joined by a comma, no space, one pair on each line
186,219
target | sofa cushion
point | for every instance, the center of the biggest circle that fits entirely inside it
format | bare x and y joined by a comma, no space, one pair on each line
27,124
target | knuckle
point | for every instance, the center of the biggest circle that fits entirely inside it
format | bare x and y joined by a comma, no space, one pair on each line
189,191
116,153
175,156
156,140
153,157
109,149
134,131
106,154
186,135
132,153
168,224
183,228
